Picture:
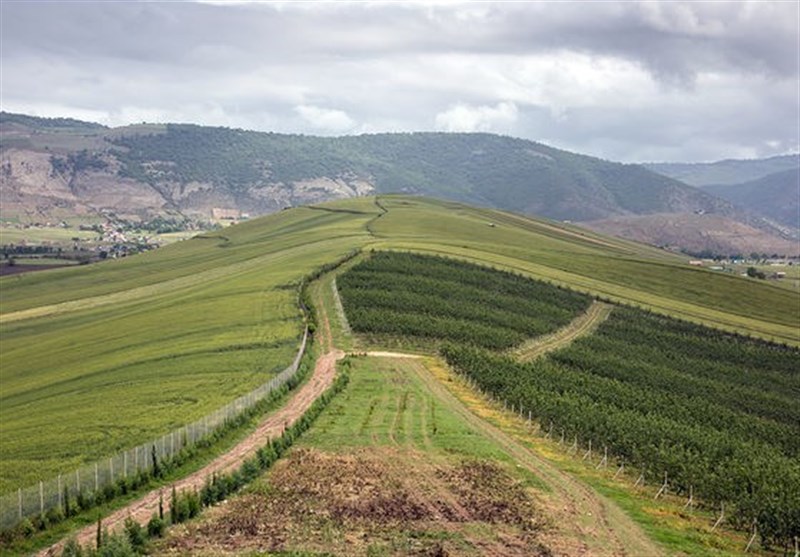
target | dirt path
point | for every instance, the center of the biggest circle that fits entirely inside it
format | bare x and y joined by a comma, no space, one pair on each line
272,426
578,327
586,523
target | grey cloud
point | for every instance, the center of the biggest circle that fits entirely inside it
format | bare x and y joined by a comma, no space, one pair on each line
384,67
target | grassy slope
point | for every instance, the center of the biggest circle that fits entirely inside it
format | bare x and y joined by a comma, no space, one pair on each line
131,364
113,354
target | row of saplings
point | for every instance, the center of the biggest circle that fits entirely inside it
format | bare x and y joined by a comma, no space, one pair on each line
186,505
160,468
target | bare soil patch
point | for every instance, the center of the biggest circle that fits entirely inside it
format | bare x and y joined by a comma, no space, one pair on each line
372,499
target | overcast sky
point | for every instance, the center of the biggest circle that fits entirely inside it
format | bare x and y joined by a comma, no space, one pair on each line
625,81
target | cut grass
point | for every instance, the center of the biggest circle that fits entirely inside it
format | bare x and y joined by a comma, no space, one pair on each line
114,370
201,457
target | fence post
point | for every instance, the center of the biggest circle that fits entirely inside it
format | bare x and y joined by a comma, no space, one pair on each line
78,480
619,470
721,516
604,461
60,501
19,495
111,468
589,452
753,537
663,488
96,478
41,497
125,464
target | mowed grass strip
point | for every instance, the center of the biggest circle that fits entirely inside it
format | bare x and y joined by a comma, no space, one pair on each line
81,385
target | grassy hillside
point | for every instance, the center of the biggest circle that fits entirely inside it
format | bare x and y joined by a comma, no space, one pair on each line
96,358
775,195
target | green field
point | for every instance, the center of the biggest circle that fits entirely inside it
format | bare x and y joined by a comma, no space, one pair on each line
97,358
117,370
401,294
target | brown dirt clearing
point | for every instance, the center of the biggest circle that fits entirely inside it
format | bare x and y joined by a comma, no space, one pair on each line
390,501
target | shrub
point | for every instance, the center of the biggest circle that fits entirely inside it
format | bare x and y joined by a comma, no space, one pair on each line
156,527
72,549
137,535
116,545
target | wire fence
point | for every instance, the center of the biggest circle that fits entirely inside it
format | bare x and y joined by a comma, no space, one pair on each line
93,478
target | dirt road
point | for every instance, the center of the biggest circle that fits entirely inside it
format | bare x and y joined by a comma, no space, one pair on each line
586,523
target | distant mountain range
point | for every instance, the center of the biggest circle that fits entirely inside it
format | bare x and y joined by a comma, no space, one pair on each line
775,195
731,171
769,187
58,168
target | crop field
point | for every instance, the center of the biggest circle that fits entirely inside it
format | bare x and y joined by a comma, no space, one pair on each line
438,298
97,358
717,413
582,260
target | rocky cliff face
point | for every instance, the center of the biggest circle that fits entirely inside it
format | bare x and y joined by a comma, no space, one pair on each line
38,186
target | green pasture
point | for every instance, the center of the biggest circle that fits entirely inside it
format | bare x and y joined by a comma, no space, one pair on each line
387,404
83,382
101,357
39,235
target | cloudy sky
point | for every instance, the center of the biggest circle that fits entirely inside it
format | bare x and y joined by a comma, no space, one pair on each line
626,81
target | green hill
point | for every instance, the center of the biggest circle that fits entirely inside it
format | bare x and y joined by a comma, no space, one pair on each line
194,169
62,169
101,357
486,169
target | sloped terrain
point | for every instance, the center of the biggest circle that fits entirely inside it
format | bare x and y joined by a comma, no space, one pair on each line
776,196
727,172
55,169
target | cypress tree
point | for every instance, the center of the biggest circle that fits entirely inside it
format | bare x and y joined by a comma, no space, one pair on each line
156,466
173,507
66,502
